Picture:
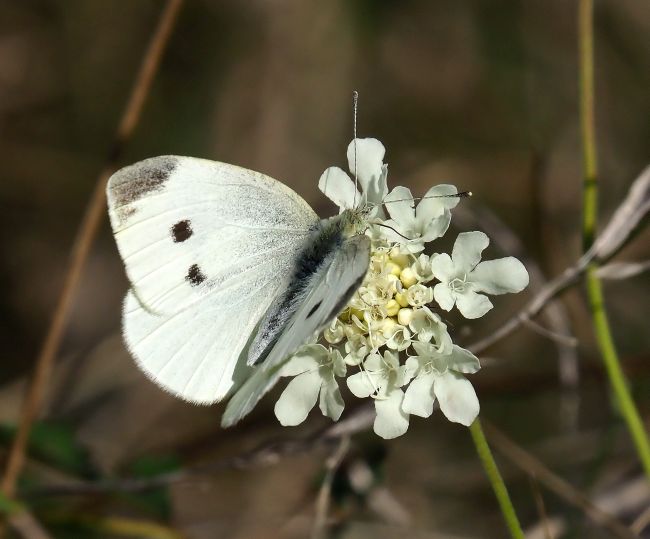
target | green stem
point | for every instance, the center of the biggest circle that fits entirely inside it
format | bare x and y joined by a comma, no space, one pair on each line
588,122
590,213
614,371
8,506
499,487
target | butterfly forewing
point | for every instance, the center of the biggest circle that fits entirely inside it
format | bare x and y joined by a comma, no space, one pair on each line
207,246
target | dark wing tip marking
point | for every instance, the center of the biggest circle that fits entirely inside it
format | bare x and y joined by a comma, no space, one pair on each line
131,183
194,275
182,231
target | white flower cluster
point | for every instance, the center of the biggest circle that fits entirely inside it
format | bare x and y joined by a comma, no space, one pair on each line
390,341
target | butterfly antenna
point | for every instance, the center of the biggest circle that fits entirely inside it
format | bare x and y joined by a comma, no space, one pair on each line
463,194
355,107
396,232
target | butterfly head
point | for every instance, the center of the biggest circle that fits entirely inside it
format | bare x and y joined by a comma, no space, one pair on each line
355,221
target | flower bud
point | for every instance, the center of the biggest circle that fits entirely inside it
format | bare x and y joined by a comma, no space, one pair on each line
401,298
404,316
408,277
392,307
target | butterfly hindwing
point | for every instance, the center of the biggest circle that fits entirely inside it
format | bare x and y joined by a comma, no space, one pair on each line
328,292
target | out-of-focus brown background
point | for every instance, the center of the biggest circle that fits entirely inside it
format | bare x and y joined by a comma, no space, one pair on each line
479,94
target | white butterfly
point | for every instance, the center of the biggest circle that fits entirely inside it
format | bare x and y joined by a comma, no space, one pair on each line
229,269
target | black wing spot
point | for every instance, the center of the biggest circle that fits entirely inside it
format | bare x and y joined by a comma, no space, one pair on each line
195,275
182,231
314,309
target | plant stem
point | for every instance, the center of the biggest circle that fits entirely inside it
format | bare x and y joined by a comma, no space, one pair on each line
499,487
590,212
614,371
588,122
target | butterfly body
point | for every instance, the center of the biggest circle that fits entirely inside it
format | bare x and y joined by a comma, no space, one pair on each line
311,266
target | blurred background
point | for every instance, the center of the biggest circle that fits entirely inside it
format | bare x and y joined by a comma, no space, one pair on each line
479,94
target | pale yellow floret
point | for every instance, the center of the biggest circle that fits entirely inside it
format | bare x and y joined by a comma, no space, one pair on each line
401,298
399,258
404,316
392,307
388,326
408,277
392,269
394,281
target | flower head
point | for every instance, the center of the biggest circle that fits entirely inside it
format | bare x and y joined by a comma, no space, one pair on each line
390,340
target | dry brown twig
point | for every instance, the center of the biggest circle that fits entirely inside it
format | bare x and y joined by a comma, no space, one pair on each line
83,242
532,466
323,501
555,313
619,230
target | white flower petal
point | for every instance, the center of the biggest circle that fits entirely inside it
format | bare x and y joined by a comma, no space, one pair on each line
391,421
457,398
467,250
413,365
338,363
419,396
370,167
422,268
436,201
339,188
461,360
391,360
442,267
436,228
442,294
472,305
361,384
307,358
374,362
298,398
500,276
399,205
331,402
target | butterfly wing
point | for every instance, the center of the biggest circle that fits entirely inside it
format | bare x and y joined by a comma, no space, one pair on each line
207,246
327,293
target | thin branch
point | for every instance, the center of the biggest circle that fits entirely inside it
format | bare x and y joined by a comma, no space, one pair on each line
541,507
534,467
555,313
623,270
323,502
624,223
561,339
27,526
265,454
641,522
620,501
83,242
